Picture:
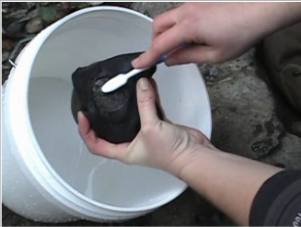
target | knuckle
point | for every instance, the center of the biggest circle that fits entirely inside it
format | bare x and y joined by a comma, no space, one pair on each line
156,23
147,129
151,128
213,57
147,99
184,57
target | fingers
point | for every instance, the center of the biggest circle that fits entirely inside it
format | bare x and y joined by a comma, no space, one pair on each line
164,22
146,103
99,146
192,54
162,44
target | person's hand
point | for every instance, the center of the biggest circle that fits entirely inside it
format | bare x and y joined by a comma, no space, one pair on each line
219,31
159,144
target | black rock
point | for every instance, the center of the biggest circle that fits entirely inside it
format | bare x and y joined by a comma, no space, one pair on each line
113,116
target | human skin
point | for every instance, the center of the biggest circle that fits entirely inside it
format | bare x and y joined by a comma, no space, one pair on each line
228,181
220,32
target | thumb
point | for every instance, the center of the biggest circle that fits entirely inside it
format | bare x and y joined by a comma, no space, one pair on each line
146,103
193,54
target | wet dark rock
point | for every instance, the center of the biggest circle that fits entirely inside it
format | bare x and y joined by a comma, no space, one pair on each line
7,44
119,4
49,14
113,116
16,29
79,5
32,14
16,10
296,128
95,3
16,14
35,25
4,56
15,18
280,165
61,13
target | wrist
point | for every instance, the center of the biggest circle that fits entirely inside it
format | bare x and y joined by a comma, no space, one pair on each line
193,156
197,169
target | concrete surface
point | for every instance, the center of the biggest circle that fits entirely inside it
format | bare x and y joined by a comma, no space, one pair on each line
244,121
153,9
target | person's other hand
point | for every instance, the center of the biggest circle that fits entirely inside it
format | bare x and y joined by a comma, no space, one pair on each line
219,31
159,144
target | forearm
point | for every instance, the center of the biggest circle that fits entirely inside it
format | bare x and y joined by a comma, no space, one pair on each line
269,17
229,182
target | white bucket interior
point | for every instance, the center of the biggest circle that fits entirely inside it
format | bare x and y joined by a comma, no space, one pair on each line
88,38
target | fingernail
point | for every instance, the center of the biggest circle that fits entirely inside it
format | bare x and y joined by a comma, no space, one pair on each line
144,84
135,62
170,61
79,115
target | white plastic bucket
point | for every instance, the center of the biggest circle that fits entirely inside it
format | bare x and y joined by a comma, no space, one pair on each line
48,174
